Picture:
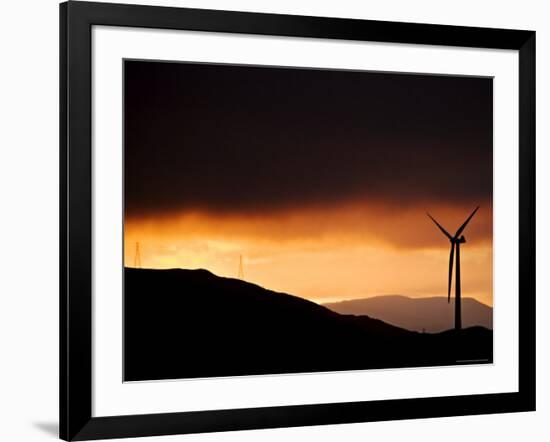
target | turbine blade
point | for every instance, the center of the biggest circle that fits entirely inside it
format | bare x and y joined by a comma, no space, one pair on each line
447,234
451,259
463,226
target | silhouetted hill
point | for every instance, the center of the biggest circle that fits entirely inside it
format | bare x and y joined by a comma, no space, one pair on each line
432,314
191,323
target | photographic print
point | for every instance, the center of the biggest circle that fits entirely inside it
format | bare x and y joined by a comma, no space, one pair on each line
295,220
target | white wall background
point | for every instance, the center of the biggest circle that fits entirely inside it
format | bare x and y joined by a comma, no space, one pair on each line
29,218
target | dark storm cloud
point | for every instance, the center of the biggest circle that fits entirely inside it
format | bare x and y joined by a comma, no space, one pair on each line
236,138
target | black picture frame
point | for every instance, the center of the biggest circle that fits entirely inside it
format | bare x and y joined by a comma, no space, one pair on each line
76,21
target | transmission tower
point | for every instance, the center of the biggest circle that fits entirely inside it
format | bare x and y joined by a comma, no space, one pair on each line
240,275
137,257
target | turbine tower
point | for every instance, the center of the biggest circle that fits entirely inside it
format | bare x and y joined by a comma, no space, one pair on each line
455,240
240,275
137,257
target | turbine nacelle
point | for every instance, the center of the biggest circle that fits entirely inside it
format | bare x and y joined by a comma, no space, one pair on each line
460,240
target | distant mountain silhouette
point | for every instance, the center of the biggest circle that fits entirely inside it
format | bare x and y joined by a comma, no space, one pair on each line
433,314
191,323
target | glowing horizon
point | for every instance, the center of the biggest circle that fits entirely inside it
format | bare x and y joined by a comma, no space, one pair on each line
323,254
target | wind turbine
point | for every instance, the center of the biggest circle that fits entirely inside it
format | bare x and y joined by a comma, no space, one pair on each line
455,240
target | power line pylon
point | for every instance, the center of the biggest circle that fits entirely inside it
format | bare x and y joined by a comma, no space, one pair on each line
137,257
240,274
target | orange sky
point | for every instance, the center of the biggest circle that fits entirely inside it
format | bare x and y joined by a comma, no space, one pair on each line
324,253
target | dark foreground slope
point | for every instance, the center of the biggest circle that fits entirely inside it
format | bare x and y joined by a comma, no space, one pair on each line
191,323
432,314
